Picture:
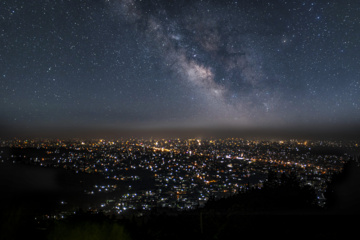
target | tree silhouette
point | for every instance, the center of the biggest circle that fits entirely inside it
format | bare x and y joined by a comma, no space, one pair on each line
343,191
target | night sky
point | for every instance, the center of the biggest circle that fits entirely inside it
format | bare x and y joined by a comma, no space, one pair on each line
118,64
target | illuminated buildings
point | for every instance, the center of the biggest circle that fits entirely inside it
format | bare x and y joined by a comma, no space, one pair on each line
142,174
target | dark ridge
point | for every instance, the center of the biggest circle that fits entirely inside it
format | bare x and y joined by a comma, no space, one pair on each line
282,209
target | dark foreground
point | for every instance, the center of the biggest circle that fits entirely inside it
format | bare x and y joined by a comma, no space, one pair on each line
282,209
209,224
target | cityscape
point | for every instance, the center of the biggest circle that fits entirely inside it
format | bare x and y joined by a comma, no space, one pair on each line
138,175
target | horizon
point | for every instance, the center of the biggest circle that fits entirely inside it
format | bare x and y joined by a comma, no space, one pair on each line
339,133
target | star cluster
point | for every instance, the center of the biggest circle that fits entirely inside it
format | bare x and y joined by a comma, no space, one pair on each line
133,63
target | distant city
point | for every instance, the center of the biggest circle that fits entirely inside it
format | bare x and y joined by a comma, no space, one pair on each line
179,174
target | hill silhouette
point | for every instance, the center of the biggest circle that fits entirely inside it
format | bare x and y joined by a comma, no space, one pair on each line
282,208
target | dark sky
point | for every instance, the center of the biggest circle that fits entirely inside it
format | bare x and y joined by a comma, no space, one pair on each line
119,64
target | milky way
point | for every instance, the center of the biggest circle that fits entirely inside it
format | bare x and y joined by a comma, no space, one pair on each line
128,63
